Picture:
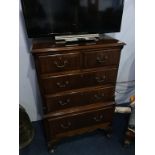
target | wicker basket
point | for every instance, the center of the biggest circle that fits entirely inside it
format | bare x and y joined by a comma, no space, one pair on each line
26,130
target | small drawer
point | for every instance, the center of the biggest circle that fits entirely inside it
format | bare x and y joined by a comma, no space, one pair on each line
58,62
101,58
81,98
99,78
56,84
79,120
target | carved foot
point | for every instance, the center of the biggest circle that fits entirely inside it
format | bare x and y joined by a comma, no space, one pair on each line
51,148
129,137
108,132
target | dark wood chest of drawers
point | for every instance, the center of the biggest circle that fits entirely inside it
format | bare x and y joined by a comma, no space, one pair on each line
77,84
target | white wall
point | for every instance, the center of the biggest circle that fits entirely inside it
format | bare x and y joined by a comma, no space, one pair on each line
29,95
29,91
127,63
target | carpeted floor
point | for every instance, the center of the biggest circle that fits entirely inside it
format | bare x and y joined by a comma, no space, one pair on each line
95,143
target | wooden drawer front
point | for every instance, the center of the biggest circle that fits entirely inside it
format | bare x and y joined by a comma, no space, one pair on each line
74,99
101,58
100,78
59,62
63,83
79,120
60,83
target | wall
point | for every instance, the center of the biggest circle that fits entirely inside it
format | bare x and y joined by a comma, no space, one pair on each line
29,92
127,63
29,95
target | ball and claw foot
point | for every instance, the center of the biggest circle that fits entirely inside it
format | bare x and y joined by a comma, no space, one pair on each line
109,135
52,150
126,143
108,132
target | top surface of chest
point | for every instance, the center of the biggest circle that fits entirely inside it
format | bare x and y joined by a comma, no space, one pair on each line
43,46
52,58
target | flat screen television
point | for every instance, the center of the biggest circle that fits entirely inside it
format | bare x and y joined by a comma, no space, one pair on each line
46,18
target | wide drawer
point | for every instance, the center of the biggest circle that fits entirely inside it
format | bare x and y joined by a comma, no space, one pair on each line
101,58
56,84
79,98
58,62
79,120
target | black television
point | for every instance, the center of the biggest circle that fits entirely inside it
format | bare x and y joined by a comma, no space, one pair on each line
48,18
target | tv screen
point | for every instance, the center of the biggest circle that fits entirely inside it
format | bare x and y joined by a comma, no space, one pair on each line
45,18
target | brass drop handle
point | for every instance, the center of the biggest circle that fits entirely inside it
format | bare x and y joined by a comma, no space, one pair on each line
100,79
62,65
65,126
98,118
62,84
101,59
64,103
99,96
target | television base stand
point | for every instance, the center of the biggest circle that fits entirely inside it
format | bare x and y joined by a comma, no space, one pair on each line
53,43
79,41
77,37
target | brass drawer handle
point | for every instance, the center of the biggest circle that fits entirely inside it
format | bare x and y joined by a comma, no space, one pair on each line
65,126
98,118
62,65
101,59
64,103
99,96
62,84
100,79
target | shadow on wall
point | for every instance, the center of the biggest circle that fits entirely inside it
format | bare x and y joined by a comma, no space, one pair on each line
31,74
127,64
125,90
126,71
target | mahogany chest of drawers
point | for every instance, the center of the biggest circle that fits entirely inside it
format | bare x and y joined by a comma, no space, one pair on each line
77,84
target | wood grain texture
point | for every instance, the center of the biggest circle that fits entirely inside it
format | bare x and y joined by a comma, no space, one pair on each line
59,62
101,58
47,45
79,98
55,141
79,120
77,84
59,83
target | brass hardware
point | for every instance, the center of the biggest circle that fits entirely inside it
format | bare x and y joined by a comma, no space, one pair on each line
62,65
64,103
101,59
62,84
98,118
99,96
66,126
100,79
